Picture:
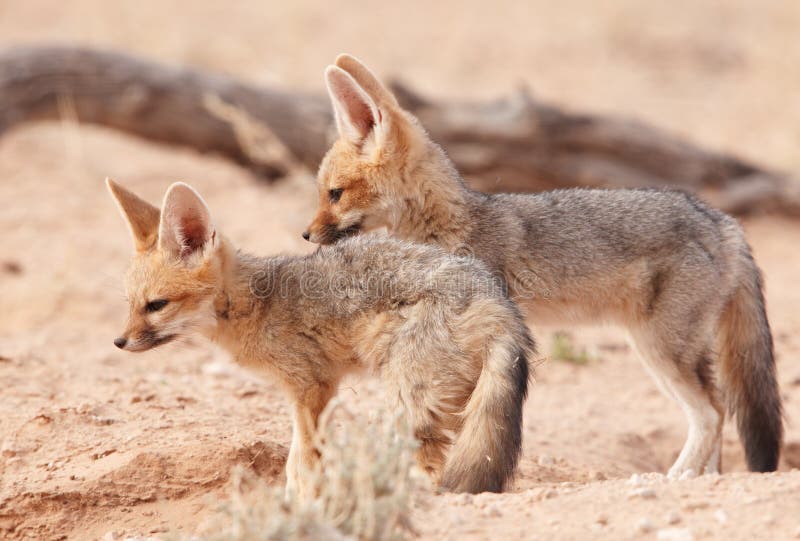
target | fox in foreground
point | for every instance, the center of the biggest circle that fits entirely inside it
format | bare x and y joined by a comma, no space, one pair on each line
677,274
449,345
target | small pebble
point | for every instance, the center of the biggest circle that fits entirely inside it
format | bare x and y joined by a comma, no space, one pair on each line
546,460
635,480
219,369
674,534
673,518
455,519
695,505
646,493
644,525
721,516
12,267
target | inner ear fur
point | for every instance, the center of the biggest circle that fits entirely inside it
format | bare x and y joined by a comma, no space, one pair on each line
185,228
357,114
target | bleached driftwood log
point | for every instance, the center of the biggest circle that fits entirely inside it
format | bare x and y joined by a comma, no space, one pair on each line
512,144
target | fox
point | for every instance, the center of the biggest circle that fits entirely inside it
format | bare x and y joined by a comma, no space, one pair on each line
676,273
450,347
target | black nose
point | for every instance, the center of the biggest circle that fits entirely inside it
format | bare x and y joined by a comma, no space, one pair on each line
306,235
120,342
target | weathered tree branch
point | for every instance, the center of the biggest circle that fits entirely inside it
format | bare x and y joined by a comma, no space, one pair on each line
515,144
157,102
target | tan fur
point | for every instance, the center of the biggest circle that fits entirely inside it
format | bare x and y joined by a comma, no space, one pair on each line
366,79
450,347
676,273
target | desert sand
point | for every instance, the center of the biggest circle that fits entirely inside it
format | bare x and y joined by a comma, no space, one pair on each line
100,444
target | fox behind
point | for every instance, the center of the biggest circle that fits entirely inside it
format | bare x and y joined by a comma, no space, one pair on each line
448,344
676,273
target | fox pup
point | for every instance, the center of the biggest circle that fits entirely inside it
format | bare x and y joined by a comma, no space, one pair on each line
448,344
677,274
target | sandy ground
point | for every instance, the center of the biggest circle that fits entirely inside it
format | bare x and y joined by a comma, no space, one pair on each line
95,442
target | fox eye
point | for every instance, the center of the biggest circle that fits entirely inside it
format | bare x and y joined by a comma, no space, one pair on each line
156,305
335,194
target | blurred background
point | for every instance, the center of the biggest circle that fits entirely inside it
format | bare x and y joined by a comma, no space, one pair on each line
96,442
722,72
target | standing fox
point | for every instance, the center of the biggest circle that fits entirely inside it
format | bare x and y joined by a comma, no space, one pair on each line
448,344
678,274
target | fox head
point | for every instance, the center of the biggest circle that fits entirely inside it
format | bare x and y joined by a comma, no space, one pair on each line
362,179
172,280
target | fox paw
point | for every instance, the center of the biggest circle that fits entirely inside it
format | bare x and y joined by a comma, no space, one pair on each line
681,474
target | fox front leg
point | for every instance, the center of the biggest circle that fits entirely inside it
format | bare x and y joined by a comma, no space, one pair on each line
303,453
293,465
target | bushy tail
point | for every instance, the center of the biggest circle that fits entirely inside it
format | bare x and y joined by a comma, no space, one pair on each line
748,374
486,451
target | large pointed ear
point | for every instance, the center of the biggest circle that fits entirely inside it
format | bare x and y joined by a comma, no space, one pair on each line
366,79
357,115
142,217
186,227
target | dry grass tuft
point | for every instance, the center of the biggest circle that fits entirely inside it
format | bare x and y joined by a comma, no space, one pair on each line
363,482
563,349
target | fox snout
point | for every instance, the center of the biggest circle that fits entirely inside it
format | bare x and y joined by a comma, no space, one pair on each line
143,340
329,232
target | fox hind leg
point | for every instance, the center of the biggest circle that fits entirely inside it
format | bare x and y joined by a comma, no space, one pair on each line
417,400
425,377
682,371
705,414
714,464
420,399
433,446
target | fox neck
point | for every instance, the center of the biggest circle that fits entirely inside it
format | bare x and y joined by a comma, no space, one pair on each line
437,211
235,302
